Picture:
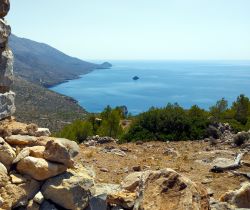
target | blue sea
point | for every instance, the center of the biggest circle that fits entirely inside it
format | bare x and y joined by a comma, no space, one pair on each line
160,82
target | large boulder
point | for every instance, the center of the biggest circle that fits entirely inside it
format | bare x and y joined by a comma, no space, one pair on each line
71,146
238,198
23,140
39,168
6,67
158,190
4,8
70,190
7,106
7,154
35,151
57,152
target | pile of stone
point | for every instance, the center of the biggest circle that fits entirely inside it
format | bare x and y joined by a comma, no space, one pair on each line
97,140
7,107
38,171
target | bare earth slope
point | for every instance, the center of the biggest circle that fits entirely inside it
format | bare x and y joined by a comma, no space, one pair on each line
44,107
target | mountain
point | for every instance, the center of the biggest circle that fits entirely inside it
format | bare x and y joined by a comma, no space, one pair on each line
42,64
37,66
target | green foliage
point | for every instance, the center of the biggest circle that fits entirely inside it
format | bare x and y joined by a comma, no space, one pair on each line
77,131
218,110
241,109
107,124
110,125
169,123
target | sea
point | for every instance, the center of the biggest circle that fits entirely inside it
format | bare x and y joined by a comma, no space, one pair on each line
160,82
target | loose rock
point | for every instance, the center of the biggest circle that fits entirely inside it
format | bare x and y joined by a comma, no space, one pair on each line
39,168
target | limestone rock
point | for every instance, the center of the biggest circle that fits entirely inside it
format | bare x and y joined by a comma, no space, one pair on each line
131,182
5,31
42,132
7,154
73,186
72,146
21,140
7,106
39,168
10,127
163,189
37,151
3,169
123,198
4,179
6,67
57,152
104,188
18,195
21,155
4,7
12,196
238,198
17,179
39,198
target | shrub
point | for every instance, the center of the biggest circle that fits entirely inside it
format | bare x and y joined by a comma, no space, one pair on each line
169,123
241,138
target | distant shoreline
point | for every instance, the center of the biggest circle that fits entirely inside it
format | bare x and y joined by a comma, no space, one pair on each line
73,78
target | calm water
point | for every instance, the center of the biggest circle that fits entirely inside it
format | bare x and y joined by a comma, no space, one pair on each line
187,83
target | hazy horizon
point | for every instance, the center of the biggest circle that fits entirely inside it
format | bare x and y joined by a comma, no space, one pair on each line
141,30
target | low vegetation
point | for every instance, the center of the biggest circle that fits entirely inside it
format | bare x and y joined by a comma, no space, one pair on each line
170,123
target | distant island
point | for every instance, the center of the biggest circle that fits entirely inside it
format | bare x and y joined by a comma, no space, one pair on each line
136,78
105,65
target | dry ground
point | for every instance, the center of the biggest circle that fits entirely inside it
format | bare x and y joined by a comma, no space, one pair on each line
190,162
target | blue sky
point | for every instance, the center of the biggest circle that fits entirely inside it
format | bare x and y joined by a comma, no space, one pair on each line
137,29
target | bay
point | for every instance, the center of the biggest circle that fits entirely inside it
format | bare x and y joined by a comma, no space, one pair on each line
160,82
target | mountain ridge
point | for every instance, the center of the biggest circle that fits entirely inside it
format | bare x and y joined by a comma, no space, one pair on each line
45,65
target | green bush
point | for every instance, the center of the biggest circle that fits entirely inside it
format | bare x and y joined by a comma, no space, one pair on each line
77,131
170,123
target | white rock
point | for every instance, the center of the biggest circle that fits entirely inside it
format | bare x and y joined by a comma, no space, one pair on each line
6,67
42,132
39,198
3,169
7,106
21,140
7,154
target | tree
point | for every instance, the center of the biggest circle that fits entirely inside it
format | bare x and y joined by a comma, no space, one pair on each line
241,109
110,125
219,109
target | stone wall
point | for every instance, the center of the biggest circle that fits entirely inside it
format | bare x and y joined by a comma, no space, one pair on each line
7,107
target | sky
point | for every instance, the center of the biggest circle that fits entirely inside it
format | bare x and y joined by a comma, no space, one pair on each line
137,29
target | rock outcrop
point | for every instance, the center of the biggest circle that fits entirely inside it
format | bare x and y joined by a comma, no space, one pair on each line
7,107
36,172
158,190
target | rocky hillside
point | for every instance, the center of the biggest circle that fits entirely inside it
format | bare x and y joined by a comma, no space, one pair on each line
42,172
42,64
44,107
38,65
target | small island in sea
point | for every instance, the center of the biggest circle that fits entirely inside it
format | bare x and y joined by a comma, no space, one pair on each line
136,78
